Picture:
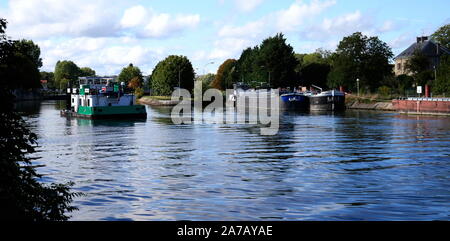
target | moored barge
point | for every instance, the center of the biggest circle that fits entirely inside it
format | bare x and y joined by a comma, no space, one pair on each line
102,98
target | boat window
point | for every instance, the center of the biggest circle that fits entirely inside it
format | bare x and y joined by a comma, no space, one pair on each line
73,100
89,102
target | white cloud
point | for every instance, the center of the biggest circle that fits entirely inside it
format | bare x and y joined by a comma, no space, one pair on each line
43,18
247,5
145,22
233,39
251,29
299,12
133,16
284,20
163,25
338,27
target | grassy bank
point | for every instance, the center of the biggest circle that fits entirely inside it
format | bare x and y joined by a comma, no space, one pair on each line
369,102
157,100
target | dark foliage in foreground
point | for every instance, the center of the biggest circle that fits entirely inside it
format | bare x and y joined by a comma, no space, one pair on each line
22,196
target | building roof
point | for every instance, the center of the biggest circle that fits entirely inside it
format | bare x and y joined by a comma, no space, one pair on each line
427,47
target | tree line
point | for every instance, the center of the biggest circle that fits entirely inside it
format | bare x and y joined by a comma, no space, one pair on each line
274,64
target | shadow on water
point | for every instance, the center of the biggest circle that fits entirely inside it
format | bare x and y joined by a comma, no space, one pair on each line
28,108
108,123
355,165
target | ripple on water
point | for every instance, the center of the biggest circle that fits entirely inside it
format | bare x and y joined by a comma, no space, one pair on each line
353,166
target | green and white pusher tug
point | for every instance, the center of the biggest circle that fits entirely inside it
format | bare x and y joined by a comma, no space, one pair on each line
102,98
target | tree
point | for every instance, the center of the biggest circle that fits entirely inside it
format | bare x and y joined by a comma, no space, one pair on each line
31,50
170,73
442,36
246,67
273,62
360,57
130,72
66,74
50,77
86,71
206,81
23,72
419,66
442,83
20,60
22,197
277,60
313,68
315,74
224,77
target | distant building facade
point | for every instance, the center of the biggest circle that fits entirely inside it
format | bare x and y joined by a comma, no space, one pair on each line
432,50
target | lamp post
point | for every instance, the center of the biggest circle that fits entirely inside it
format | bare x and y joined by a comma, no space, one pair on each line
357,85
204,68
262,66
179,81
179,78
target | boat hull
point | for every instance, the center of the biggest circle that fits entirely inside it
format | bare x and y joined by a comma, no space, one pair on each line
294,102
327,103
108,112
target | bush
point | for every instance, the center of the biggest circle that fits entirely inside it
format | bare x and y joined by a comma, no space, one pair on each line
139,92
384,91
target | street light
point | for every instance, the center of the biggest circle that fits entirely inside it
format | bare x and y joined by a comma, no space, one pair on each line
269,74
357,85
179,78
204,68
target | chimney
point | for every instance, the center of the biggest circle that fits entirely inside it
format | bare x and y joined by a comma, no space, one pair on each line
422,39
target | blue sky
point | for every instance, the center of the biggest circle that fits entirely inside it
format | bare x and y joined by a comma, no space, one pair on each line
107,35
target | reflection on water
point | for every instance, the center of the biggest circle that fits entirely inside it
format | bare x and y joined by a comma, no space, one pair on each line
357,165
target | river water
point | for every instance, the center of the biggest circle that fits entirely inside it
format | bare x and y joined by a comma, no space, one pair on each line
357,165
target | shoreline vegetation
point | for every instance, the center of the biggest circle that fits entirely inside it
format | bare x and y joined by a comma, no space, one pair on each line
359,64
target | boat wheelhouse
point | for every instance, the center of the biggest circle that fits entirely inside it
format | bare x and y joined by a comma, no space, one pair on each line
100,98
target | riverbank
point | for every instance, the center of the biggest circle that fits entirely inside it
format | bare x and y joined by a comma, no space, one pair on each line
368,103
157,101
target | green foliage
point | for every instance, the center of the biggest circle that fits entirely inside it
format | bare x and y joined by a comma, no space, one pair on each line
130,72
224,76
23,73
30,50
139,92
171,72
363,58
277,60
22,197
66,74
313,68
273,62
206,80
20,63
86,71
384,91
442,36
419,66
442,83
50,77
315,74
247,68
